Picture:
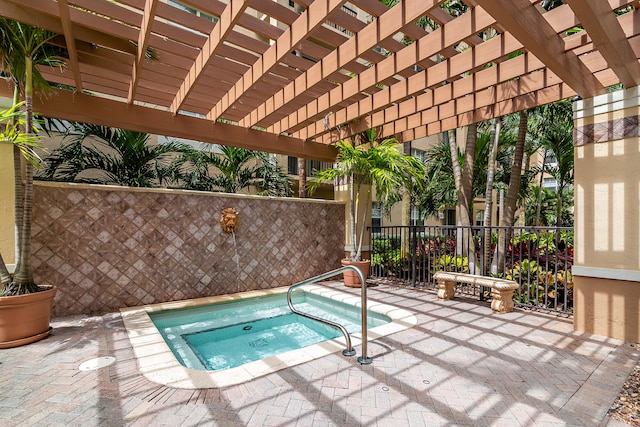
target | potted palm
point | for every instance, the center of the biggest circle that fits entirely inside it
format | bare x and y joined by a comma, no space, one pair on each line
22,47
372,163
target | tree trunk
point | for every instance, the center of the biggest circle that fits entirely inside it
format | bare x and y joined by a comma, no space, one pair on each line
18,186
302,178
352,218
488,200
540,189
5,277
464,189
24,275
559,206
406,211
504,236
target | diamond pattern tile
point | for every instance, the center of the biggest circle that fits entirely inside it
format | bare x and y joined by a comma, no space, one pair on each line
626,127
107,247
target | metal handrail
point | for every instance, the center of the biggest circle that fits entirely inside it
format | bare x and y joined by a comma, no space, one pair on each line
349,351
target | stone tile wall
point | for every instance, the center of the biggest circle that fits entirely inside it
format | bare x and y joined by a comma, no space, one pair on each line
110,247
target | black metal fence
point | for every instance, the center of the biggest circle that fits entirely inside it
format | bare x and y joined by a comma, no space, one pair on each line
538,258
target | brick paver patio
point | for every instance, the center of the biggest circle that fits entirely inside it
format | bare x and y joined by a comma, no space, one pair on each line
461,365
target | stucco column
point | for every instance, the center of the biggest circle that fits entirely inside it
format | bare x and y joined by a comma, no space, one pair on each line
607,220
342,192
7,204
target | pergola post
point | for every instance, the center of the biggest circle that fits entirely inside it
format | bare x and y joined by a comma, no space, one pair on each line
607,215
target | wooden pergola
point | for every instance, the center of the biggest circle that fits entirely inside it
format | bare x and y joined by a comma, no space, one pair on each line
291,77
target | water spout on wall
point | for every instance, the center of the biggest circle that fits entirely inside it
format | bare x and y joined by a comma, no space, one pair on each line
229,224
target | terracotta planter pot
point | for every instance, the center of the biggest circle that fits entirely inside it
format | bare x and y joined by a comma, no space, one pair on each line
351,278
25,318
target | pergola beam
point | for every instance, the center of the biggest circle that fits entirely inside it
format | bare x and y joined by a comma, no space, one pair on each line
404,13
484,88
299,30
148,16
230,16
607,35
63,7
66,105
488,87
520,18
473,21
244,78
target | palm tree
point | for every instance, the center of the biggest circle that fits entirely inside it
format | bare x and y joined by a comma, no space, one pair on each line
25,143
237,169
540,211
22,48
104,155
488,199
440,190
513,191
559,141
552,128
382,165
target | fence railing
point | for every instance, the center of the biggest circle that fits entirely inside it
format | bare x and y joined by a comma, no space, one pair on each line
538,258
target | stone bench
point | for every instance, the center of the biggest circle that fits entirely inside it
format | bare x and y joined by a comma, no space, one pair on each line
501,289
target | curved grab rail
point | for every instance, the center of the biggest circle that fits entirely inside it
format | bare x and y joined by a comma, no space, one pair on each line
349,351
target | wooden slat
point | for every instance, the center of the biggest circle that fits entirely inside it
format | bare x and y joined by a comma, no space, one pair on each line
405,12
475,20
228,20
148,17
525,22
312,18
600,22
63,8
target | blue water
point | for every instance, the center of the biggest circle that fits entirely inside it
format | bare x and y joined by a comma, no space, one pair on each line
229,334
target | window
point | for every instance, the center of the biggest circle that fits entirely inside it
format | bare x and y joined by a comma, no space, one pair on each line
376,215
292,165
419,154
550,159
550,184
415,216
449,217
349,11
192,11
480,218
312,166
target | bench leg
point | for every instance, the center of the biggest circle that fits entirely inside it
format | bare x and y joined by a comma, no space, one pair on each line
502,301
445,289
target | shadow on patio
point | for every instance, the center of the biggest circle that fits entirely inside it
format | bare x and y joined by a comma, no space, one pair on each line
460,365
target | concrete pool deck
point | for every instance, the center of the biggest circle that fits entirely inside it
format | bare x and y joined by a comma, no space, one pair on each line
460,365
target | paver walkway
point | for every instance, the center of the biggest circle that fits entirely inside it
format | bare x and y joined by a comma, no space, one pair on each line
460,366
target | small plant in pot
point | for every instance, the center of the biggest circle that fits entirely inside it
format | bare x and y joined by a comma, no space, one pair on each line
370,163
25,307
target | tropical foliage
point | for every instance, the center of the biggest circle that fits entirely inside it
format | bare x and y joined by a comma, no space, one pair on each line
234,169
22,47
540,261
379,164
104,155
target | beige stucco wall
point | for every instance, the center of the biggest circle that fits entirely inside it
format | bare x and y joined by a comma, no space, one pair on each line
607,204
607,215
7,203
607,307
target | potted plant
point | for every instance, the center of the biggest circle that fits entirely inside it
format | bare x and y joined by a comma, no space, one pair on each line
25,307
371,163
